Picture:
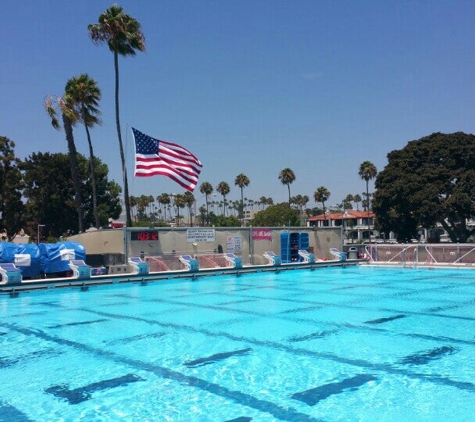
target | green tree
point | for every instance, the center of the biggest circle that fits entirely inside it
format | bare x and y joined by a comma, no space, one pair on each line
242,181
179,202
69,118
367,172
164,199
48,192
83,95
321,195
206,189
287,177
124,37
357,199
276,216
231,221
428,182
11,185
223,188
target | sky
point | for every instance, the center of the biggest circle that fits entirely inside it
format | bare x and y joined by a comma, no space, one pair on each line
248,86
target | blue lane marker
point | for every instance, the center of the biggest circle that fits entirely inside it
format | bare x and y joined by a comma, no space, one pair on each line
313,336
383,320
427,356
314,395
81,394
215,358
71,324
240,419
9,413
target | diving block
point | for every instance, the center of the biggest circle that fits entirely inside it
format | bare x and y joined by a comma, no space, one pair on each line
80,269
234,260
272,258
189,263
341,256
139,266
10,273
308,258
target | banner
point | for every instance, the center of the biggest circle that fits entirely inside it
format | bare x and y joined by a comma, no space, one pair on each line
261,234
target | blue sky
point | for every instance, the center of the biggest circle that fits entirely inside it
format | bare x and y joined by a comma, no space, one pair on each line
249,86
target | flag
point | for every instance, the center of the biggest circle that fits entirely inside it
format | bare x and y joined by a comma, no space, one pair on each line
154,157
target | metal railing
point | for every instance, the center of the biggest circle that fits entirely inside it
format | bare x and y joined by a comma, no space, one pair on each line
421,254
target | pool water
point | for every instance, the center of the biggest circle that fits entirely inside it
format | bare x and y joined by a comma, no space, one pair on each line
332,344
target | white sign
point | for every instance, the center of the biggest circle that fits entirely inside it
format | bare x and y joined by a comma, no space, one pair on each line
200,235
234,244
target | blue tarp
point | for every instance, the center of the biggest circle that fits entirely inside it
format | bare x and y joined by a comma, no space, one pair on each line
25,256
55,257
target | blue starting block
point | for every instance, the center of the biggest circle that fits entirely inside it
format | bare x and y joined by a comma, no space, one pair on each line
139,266
10,273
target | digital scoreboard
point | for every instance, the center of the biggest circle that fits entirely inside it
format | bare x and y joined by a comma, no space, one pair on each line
144,235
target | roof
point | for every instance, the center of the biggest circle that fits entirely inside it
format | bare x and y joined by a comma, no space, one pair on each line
346,215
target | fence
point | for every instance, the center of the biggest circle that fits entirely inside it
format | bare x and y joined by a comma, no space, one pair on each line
420,254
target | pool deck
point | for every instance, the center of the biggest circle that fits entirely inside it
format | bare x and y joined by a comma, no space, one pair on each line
14,289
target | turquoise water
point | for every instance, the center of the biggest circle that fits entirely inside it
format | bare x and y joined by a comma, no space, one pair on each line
333,344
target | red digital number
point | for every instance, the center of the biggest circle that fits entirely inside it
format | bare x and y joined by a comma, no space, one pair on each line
154,235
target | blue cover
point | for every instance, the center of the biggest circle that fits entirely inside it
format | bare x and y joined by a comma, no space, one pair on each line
15,254
55,257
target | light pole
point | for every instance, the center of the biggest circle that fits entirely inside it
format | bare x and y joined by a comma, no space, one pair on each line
38,239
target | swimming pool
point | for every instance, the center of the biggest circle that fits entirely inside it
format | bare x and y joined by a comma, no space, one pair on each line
333,344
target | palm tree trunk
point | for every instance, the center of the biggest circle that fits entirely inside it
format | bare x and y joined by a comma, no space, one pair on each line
93,177
122,155
68,129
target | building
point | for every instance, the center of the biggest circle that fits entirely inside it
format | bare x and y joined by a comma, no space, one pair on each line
356,225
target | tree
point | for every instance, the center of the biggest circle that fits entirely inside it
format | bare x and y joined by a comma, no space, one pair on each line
49,192
164,199
276,216
206,189
11,185
357,200
346,203
287,176
83,95
428,182
321,195
242,181
368,172
179,202
189,202
69,118
223,188
124,37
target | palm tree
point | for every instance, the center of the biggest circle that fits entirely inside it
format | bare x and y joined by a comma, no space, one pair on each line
242,181
321,195
223,188
346,203
287,176
69,118
367,171
179,202
189,201
123,35
164,199
206,189
84,95
357,199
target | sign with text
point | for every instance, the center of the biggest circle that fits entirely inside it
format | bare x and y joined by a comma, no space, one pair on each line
234,244
200,235
261,234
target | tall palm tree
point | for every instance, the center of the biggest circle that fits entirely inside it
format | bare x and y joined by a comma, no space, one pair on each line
84,95
357,199
367,171
124,37
206,189
321,195
164,199
242,181
223,188
189,201
69,118
179,202
287,176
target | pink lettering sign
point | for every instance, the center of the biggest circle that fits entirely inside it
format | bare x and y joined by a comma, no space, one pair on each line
261,234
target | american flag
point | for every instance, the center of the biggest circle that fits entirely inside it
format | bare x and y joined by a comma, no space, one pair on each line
154,157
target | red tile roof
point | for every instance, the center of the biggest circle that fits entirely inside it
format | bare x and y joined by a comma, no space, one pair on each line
347,215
